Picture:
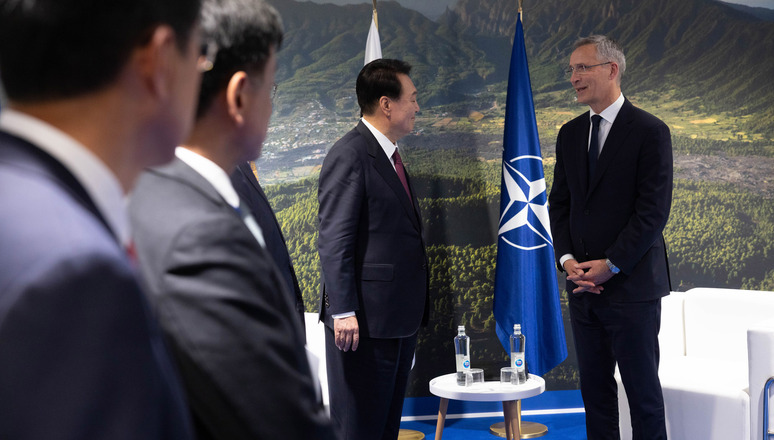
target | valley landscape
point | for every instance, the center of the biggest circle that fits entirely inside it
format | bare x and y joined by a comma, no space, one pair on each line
702,66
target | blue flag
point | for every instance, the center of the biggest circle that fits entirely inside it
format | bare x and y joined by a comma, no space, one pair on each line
526,290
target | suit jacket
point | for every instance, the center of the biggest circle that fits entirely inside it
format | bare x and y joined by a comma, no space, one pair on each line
80,353
222,304
371,246
621,211
250,192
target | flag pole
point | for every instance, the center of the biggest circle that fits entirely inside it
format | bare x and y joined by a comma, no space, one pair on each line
376,19
373,49
526,290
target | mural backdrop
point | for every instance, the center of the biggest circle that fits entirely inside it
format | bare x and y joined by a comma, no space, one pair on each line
703,66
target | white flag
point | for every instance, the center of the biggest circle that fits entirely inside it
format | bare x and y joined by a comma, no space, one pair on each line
373,50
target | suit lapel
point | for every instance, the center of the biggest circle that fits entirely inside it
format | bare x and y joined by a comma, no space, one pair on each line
181,172
29,156
247,169
614,142
383,166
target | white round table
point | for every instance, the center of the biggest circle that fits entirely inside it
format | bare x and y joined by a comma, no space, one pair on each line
446,388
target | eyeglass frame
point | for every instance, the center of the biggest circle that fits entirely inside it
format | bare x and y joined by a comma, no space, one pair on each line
582,68
207,55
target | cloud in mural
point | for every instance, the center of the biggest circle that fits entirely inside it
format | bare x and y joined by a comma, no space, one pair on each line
524,223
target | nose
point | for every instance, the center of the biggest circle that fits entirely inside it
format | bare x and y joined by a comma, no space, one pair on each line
575,76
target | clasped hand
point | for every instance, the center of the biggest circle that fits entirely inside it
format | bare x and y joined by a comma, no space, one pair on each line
588,276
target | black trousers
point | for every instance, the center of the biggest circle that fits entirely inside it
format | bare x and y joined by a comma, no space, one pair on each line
607,332
367,386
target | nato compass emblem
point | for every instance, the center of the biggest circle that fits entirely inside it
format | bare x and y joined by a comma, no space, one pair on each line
524,220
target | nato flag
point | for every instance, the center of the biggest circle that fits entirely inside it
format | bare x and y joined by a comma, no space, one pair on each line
526,290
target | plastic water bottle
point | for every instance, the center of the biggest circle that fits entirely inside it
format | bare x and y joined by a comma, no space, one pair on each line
462,350
517,356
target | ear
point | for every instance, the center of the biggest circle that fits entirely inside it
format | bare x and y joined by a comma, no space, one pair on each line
237,97
154,62
613,70
384,106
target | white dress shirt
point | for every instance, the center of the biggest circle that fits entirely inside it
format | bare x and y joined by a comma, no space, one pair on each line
97,179
387,145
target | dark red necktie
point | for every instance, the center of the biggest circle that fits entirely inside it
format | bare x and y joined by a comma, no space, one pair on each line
401,172
131,252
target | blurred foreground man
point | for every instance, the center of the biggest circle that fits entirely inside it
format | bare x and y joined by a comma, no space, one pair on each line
95,94
220,299
609,205
374,265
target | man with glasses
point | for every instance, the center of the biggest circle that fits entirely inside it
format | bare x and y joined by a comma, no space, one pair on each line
609,205
221,301
95,94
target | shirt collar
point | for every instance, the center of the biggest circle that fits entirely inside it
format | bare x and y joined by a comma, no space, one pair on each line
388,147
611,112
211,172
96,178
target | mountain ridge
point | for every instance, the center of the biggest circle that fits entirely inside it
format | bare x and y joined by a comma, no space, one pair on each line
703,51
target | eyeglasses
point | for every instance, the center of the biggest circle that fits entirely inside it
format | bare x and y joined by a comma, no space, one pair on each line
207,56
582,68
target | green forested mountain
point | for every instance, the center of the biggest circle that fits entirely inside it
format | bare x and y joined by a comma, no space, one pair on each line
705,52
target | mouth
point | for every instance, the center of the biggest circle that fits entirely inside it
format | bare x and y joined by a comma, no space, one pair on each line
580,89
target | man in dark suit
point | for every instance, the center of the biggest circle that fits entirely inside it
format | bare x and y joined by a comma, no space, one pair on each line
374,265
94,96
221,301
246,184
608,211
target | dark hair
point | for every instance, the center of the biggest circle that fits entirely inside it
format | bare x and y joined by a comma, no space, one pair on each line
54,49
244,32
379,78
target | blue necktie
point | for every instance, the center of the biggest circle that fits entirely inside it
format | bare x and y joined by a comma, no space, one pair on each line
594,144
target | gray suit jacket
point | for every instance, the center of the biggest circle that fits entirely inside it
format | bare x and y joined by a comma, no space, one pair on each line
80,353
222,304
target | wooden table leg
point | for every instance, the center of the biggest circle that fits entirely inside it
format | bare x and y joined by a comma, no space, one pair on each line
508,424
441,418
511,413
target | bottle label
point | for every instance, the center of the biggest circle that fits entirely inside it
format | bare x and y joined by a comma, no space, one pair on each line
463,363
518,361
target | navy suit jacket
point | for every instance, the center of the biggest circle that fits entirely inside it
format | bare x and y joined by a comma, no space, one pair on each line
371,247
621,211
80,353
224,307
250,192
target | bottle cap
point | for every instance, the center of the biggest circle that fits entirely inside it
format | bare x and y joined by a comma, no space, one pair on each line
516,327
461,328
